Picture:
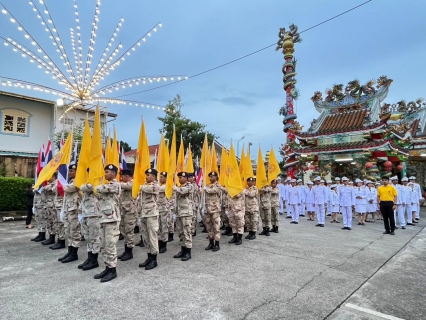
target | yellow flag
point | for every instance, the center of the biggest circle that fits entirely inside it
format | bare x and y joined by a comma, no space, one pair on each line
261,180
163,153
62,157
115,156
273,166
172,167
84,157
247,170
189,161
242,162
223,161
96,167
108,155
180,165
214,166
205,161
233,178
142,161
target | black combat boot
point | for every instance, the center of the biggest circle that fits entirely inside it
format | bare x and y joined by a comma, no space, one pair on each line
128,254
42,237
216,246
102,274
140,243
170,237
229,232
253,235
112,274
147,261
82,238
276,229
59,245
263,232
49,241
204,230
234,238
222,227
66,256
163,247
93,263
136,230
210,246
273,229
120,237
267,232
224,233
195,233
180,253
153,263
187,254
245,229
239,239
37,237
125,250
89,257
72,257
248,236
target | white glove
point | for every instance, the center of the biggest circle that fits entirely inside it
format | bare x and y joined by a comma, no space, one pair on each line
202,212
33,209
175,188
80,218
205,188
226,212
174,217
139,222
61,215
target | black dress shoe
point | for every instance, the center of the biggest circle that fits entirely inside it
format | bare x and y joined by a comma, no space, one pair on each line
318,225
321,225
392,233
344,228
410,224
295,222
402,228
348,228
386,232
396,228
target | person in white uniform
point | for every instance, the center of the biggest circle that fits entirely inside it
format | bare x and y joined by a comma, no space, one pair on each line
334,204
320,201
412,207
303,192
360,201
347,202
371,201
404,194
295,195
394,181
329,208
309,200
378,213
418,190
282,194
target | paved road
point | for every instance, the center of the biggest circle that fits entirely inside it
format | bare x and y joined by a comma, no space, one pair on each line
304,272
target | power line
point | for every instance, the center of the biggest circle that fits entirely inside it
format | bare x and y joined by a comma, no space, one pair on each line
247,55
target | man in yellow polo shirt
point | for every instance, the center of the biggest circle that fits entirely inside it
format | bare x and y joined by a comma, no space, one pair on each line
387,196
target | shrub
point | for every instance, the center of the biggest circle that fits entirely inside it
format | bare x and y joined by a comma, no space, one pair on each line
13,195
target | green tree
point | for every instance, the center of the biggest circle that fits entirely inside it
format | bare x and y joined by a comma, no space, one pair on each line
126,147
192,131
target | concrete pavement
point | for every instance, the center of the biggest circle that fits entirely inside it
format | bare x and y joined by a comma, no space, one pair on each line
304,272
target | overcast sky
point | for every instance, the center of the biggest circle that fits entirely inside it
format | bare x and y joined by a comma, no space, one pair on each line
383,37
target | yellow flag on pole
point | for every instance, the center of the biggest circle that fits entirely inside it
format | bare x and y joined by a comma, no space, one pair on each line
142,161
214,166
261,179
223,162
205,161
189,162
96,166
242,162
84,157
180,165
163,156
62,157
247,170
115,156
108,154
233,178
273,166
172,167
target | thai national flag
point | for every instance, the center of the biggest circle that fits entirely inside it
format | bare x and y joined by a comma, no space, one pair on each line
48,154
62,172
40,160
123,163
198,174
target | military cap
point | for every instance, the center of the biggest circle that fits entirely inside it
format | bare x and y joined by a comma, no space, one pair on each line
317,179
251,179
345,179
358,181
332,186
182,174
310,182
410,183
299,180
213,174
293,180
337,179
412,178
72,166
191,174
393,178
377,183
151,171
111,167
126,172
368,182
329,181
164,174
351,182
404,179
279,178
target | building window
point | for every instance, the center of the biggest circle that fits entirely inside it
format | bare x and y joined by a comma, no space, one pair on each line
15,122
67,121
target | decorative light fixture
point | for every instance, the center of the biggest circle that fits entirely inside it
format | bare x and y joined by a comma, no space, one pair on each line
343,158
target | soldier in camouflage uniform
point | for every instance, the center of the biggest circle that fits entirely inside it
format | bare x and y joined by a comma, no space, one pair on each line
109,204
265,209
40,215
212,215
196,199
275,206
252,208
224,212
58,223
90,224
236,217
49,192
170,216
184,216
72,226
164,210
148,197
128,215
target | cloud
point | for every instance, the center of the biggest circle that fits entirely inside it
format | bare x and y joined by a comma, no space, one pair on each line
236,100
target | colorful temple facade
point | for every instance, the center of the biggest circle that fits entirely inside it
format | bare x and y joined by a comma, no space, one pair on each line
358,134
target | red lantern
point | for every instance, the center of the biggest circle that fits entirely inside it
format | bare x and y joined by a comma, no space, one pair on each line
388,164
399,167
369,165
305,168
388,168
312,167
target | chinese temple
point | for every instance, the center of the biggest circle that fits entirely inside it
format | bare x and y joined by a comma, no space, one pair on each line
358,135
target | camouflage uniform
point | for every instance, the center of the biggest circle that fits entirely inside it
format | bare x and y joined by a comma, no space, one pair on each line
275,206
90,214
39,211
265,206
184,214
128,214
58,225
149,215
212,215
236,213
164,209
172,210
49,206
224,207
72,226
196,196
109,199
252,208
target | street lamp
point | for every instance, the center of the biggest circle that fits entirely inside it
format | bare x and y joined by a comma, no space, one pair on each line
238,146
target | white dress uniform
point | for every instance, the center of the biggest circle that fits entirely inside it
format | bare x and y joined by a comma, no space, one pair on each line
282,196
334,201
295,195
287,187
310,199
412,207
360,204
303,205
371,199
328,200
404,197
347,200
419,197
320,200
398,201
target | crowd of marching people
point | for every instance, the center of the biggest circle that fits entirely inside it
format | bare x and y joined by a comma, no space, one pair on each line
104,213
